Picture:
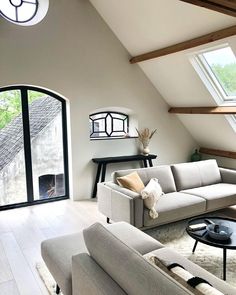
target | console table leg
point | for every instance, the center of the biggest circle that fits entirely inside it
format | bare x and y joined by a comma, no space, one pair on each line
145,163
194,247
108,220
104,168
224,264
96,180
150,162
58,290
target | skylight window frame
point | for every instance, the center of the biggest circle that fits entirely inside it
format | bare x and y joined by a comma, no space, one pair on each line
211,82
207,75
213,78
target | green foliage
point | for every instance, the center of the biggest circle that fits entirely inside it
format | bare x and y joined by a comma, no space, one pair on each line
10,104
227,76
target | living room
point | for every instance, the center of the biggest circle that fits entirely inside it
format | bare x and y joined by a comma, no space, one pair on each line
80,51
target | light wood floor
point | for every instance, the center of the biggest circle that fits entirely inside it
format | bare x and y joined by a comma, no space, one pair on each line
21,232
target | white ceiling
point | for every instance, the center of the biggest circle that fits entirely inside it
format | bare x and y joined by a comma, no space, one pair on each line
143,26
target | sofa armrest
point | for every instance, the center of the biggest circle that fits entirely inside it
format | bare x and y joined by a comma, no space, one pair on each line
120,204
228,175
122,190
89,278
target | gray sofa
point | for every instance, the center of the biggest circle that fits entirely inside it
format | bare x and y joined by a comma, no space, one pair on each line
109,261
190,189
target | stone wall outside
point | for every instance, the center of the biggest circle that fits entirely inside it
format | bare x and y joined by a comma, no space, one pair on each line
47,158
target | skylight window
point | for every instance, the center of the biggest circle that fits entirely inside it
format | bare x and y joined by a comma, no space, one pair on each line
217,69
220,65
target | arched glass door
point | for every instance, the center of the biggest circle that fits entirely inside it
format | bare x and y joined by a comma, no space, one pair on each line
33,147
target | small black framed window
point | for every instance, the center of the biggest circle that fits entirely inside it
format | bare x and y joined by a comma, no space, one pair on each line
19,11
108,124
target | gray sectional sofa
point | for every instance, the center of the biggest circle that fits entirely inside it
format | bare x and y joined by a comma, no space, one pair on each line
109,261
190,189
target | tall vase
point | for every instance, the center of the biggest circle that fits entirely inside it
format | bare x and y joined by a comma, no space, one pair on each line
145,150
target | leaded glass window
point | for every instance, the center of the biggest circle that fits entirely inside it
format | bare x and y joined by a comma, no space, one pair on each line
108,124
19,11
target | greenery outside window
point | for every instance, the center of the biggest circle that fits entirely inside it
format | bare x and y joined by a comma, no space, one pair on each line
108,125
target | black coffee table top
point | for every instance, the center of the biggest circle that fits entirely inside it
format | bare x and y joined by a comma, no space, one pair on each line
228,244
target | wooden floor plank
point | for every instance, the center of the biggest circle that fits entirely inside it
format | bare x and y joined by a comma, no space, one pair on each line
5,270
33,256
9,288
21,271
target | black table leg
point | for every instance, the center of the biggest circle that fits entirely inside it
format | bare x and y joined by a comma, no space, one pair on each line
58,290
150,162
96,180
224,264
104,167
194,247
145,163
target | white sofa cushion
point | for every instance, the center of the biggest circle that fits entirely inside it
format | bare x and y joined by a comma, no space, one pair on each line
196,174
162,173
217,196
175,206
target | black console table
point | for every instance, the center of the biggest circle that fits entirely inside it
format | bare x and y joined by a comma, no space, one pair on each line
102,165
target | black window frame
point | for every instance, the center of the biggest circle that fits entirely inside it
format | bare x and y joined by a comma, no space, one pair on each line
27,146
16,21
111,115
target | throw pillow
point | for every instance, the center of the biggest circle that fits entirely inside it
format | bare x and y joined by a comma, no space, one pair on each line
196,285
131,181
151,194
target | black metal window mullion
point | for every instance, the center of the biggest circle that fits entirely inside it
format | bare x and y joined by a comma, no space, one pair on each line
27,144
65,148
16,14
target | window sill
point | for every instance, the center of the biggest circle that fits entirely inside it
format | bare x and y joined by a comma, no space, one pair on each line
112,138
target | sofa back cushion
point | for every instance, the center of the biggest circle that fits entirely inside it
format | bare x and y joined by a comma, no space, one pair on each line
126,266
162,173
196,174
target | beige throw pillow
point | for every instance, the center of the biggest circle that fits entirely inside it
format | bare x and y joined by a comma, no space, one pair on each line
131,181
150,195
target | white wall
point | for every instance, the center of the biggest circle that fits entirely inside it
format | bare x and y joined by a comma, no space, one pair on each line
142,28
73,52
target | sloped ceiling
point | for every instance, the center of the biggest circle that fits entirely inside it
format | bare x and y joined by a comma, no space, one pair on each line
143,26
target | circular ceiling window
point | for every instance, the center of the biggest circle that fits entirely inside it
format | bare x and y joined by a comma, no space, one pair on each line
24,12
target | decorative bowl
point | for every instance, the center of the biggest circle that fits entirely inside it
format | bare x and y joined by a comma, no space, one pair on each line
219,232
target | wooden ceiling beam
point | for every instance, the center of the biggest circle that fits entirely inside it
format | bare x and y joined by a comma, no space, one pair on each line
211,37
223,6
204,110
220,153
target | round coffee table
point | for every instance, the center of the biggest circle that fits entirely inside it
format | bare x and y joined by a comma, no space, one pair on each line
203,237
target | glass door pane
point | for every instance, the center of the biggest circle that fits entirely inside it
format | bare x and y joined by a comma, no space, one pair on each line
12,159
45,116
